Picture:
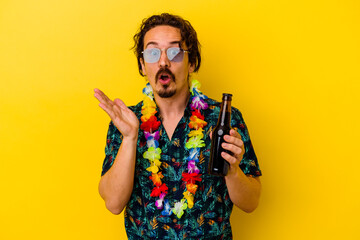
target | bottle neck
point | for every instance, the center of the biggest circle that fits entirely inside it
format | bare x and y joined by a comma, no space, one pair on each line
225,113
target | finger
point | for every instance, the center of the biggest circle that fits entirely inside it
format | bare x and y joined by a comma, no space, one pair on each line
107,109
97,90
210,134
105,98
123,109
117,110
102,99
234,140
237,151
230,159
235,133
120,103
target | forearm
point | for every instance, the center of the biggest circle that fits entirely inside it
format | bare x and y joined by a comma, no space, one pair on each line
244,191
116,185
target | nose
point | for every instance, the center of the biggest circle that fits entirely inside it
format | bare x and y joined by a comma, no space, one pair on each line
164,61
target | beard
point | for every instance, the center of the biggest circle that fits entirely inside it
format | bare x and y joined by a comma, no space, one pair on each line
165,92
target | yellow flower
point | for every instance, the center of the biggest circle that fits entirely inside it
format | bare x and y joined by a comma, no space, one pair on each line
189,198
195,133
149,110
154,166
148,102
156,162
147,116
153,169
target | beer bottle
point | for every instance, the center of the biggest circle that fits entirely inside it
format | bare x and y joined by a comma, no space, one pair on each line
218,165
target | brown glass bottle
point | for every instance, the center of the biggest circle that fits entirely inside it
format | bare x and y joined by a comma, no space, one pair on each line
218,165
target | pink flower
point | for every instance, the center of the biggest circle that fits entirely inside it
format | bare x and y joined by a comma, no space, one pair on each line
160,201
154,135
192,167
198,103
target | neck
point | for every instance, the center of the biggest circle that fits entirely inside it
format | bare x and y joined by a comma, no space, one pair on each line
172,107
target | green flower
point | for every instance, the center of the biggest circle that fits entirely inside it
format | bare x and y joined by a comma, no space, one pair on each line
195,142
194,84
152,153
179,208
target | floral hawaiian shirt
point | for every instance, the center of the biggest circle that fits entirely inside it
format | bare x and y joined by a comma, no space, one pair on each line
210,216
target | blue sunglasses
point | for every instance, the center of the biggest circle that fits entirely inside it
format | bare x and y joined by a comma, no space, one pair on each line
174,54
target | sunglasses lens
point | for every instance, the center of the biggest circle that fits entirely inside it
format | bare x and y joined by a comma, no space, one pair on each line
175,54
151,55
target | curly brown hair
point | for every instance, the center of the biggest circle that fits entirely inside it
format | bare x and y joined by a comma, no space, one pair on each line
188,35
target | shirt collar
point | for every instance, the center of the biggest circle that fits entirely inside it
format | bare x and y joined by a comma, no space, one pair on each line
187,112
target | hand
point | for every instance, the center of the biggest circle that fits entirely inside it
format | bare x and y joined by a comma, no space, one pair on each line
235,145
123,118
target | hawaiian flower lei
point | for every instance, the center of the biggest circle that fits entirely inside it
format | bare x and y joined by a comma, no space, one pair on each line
150,126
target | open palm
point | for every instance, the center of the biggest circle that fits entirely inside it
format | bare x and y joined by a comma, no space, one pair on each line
123,118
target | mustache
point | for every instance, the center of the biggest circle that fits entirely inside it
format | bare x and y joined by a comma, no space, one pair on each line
166,71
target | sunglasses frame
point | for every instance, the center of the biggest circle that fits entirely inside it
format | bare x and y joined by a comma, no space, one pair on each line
164,49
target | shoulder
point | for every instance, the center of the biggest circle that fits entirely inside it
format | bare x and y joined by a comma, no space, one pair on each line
214,106
136,108
212,102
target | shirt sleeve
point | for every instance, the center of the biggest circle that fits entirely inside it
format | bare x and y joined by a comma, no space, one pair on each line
113,142
249,164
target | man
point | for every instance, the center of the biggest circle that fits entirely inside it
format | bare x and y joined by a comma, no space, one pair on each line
157,152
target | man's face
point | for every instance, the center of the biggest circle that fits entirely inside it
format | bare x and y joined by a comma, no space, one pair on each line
167,78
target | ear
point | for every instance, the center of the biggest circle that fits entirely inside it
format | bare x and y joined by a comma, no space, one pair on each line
191,68
143,66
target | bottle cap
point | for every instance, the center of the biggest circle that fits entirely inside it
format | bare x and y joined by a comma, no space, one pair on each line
227,96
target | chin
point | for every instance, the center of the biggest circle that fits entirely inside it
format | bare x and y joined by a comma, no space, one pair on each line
166,93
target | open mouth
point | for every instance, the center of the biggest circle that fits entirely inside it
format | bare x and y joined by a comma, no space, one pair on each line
164,78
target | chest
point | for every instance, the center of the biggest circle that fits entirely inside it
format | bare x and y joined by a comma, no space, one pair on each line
170,125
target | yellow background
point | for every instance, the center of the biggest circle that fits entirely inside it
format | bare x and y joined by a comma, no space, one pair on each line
293,67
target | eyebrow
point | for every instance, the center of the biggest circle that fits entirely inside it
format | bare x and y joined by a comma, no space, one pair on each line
155,43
